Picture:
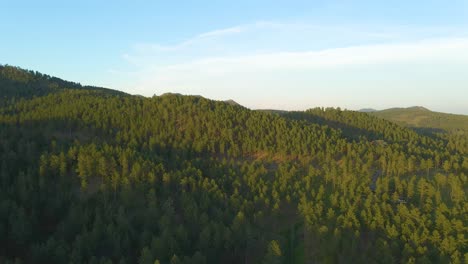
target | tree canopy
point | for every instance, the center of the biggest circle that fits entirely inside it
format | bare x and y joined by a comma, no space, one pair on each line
92,175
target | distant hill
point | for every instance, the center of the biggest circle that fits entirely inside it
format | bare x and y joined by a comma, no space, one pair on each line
232,102
367,110
421,117
272,111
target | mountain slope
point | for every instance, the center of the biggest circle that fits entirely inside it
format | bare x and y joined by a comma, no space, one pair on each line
91,176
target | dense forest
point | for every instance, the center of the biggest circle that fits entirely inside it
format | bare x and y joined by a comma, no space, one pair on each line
92,175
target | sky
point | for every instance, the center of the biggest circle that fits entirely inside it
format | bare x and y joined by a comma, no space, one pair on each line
290,55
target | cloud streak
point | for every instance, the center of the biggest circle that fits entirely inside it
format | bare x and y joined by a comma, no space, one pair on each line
259,37
187,43
247,62
453,49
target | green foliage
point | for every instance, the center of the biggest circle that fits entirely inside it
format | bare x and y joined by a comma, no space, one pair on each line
95,176
273,254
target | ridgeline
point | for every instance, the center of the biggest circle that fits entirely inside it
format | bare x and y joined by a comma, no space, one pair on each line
93,175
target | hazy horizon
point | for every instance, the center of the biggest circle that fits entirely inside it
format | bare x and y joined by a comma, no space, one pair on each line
263,55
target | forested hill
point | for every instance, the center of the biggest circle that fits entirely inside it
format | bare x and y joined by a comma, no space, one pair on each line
16,82
420,117
89,175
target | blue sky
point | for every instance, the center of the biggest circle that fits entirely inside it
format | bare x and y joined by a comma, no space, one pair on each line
263,54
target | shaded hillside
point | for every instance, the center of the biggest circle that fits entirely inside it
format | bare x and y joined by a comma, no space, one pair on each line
20,83
95,176
356,125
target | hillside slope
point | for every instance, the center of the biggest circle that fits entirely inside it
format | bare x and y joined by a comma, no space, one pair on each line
421,117
16,82
96,176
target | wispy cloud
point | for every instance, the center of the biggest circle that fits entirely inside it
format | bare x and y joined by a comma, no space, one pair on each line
259,37
277,58
221,32
453,49
145,47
